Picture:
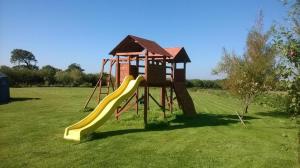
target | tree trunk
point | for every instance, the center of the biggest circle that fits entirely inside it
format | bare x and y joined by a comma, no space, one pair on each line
246,109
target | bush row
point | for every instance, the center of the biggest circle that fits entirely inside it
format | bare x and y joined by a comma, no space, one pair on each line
205,84
49,76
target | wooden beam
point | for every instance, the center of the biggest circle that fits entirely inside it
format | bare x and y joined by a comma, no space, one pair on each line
89,99
128,107
128,53
121,109
155,101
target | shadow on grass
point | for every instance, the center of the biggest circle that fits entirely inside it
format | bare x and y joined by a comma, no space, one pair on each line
278,114
180,122
16,99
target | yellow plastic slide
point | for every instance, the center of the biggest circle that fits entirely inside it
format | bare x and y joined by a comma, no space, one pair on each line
104,110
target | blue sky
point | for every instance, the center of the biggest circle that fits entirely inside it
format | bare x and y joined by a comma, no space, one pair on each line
61,32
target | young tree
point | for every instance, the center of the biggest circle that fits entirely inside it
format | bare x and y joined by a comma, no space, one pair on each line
253,73
287,41
21,57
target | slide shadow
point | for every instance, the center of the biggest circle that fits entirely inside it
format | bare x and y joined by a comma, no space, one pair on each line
180,122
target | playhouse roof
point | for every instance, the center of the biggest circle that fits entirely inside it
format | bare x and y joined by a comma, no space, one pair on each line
178,54
136,44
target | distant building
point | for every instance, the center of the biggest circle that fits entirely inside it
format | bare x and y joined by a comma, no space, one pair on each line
4,88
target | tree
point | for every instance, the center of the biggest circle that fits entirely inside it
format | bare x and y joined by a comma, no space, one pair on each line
48,73
253,73
74,66
91,78
63,78
287,42
21,57
76,76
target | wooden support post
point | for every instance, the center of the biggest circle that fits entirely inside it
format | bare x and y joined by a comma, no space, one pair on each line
148,95
112,64
163,100
137,91
129,64
145,104
172,85
109,76
184,67
118,72
117,80
146,89
163,89
167,99
171,99
137,103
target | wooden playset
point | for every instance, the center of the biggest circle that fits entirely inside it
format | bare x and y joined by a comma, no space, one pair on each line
160,68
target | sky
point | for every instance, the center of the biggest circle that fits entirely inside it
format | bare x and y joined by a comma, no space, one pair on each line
61,32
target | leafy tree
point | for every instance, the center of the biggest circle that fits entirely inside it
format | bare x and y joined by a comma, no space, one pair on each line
48,73
287,41
253,73
63,78
91,78
21,57
76,76
74,66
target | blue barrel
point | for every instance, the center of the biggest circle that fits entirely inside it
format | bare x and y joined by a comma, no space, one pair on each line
4,88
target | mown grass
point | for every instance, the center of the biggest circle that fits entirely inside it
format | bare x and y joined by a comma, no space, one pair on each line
32,128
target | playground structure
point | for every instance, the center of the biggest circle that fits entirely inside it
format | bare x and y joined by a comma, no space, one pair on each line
151,66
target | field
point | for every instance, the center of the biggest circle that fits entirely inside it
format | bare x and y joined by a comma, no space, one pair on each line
32,128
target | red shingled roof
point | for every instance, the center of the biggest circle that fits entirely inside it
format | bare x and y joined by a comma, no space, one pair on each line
178,54
136,44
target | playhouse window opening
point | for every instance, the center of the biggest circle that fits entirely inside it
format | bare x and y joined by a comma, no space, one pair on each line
179,65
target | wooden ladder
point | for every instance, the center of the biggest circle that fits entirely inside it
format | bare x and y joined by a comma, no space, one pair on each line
99,83
108,78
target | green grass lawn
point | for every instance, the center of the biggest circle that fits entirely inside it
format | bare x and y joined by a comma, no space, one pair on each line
32,128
